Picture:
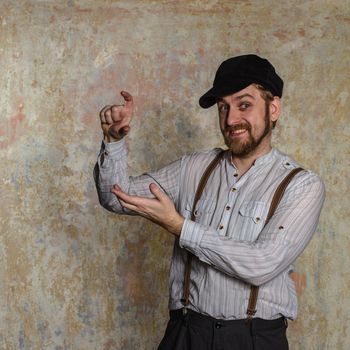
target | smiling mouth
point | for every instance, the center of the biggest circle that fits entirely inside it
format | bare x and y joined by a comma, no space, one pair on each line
238,132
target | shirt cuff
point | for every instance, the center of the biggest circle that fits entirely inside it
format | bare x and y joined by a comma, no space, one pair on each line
191,236
114,150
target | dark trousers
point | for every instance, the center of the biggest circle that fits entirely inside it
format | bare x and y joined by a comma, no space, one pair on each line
194,331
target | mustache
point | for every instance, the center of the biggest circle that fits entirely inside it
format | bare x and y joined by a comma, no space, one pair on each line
241,126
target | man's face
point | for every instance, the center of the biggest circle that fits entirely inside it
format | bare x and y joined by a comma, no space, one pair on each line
246,121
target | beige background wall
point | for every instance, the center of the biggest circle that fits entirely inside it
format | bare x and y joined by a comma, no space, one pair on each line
72,275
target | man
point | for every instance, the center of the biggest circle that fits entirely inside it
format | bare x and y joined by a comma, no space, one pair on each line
232,245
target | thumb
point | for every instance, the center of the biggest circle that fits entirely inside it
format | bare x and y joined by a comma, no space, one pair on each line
129,102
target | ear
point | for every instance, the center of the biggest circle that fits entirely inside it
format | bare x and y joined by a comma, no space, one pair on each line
275,108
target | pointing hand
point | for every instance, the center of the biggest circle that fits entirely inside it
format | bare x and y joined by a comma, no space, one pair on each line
115,119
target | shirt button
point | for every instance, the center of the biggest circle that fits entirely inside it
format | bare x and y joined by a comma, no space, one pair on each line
257,219
218,325
196,212
105,153
228,207
235,175
221,227
234,189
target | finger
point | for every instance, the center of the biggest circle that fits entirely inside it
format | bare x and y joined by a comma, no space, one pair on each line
102,113
118,132
116,189
133,204
129,199
157,192
108,116
129,206
116,112
129,101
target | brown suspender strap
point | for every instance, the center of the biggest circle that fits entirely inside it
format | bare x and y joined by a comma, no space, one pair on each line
203,181
254,290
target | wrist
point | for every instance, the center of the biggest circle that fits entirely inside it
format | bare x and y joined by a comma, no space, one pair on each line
110,139
177,226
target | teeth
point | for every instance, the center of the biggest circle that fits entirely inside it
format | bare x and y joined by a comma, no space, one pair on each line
239,131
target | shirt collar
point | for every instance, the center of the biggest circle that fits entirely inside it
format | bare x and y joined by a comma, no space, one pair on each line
264,159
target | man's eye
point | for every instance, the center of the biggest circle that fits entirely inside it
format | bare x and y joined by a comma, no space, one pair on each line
244,105
223,108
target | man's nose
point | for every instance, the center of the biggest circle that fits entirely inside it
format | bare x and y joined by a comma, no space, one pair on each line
233,116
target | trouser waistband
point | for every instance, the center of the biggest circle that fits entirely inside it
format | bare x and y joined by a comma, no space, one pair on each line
205,321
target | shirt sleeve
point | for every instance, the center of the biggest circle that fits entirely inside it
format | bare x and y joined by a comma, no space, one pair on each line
281,241
111,168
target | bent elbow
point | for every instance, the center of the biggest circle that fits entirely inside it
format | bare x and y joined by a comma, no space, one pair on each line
111,204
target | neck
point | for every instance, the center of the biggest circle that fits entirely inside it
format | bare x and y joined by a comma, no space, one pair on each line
244,163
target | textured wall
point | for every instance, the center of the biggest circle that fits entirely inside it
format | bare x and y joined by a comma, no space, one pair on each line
72,275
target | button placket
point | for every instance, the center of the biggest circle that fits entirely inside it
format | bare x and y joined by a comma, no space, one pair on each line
227,212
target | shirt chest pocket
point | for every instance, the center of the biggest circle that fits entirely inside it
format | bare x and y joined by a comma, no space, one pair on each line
203,212
252,217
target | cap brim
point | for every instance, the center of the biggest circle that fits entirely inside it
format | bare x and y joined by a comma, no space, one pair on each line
210,97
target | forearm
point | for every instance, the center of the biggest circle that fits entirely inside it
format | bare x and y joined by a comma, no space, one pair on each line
112,169
253,262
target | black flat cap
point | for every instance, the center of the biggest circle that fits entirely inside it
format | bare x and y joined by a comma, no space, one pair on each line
237,73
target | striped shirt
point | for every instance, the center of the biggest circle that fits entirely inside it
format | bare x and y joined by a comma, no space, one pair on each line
232,246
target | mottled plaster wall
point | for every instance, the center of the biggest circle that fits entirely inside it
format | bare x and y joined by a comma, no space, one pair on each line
72,275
